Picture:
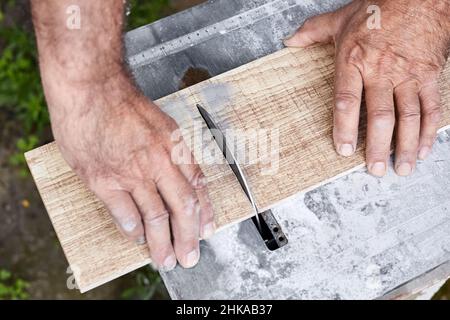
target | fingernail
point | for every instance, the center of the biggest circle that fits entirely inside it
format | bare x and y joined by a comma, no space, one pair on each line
140,241
208,230
404,169
191,258
128,225
423,153
346,150
378,169
169,264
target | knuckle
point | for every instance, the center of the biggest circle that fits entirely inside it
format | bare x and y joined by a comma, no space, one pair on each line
346,101
409,113
411,84
382,113
382,117
434,114
376,154
156,219
385,60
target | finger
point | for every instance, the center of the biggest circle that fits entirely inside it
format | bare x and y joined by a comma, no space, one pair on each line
124,212
157,228
185,209
207,223
430,99
380,124
347,105
318,29
408,128
198,181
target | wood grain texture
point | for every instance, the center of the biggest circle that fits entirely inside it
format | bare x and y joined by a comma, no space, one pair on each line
289,91
95,249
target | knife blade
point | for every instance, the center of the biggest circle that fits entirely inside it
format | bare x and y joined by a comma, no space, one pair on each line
220,139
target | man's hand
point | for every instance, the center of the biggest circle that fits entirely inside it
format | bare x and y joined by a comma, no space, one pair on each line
115,139
398,66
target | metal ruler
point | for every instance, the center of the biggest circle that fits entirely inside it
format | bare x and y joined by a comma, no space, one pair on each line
235,22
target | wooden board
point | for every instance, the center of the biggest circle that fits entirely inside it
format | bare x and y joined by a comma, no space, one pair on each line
289,91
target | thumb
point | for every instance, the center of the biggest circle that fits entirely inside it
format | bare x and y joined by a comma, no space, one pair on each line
319,29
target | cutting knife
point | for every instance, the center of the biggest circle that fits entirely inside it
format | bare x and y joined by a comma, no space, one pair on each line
220,139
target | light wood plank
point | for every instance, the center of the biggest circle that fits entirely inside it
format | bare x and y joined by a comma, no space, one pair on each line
289,91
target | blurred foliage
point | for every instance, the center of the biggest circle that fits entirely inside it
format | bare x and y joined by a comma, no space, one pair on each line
20,85
21,95
12,288
23,145
142,12
148,285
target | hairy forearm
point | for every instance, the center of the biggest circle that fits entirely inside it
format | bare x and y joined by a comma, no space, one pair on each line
83,51
82,66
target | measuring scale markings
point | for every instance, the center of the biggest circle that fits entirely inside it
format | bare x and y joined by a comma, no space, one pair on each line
204,34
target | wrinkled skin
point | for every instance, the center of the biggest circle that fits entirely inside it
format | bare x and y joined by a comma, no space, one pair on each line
398,66
122,149
118,141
